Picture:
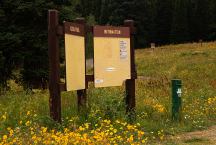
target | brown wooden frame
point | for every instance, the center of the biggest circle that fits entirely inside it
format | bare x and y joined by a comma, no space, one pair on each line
55,86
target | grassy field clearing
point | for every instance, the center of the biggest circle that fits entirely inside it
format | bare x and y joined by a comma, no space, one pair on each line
24,115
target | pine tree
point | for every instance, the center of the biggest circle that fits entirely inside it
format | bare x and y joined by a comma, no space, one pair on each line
180,30
163,21
97,6
199,19
212,23
105,12
23,38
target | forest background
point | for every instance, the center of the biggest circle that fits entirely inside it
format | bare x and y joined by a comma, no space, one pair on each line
23,28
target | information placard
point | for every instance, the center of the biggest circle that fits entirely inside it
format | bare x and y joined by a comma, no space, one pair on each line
111,55
75,56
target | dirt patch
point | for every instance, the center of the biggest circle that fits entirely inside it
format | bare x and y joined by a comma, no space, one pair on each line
205,137
213,83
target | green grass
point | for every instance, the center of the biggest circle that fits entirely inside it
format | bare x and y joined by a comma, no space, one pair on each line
195,65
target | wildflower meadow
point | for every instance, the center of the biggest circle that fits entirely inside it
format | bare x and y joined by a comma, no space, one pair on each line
24,114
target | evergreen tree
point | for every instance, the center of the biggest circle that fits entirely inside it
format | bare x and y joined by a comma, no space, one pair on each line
180,29
212,22
85,7
118,12
152,21
199,19
23,37
163,21
97,6
145,20
10,40
105,12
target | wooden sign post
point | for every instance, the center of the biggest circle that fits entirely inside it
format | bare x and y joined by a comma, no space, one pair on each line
130,83
54,66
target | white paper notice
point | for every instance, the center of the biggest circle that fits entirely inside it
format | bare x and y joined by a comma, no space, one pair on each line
98,81
123,50
110,69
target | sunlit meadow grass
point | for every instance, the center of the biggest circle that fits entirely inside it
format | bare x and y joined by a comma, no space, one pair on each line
24,115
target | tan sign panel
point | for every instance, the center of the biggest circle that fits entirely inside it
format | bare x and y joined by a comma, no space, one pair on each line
75,56
111,55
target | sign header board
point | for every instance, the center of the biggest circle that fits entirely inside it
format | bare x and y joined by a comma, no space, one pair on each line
74,29
110,31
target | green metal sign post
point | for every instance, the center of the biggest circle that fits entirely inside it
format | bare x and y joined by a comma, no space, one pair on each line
176,99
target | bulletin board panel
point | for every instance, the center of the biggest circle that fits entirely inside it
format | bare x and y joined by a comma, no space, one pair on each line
75,56
111,55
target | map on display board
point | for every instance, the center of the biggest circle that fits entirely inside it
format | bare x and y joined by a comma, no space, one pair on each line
111,55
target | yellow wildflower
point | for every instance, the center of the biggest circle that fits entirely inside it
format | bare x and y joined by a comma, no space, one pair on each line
11,132
4,137
143,141
27,123
107,121
117,121
81,128
86,125
28,113
34,137
130,139
159,108
44,129
130,127
140,133
4,117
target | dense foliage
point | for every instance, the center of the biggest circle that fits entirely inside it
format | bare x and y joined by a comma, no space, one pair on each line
23,39
23,25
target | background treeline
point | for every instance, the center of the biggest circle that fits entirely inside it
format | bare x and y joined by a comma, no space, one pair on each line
23,25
